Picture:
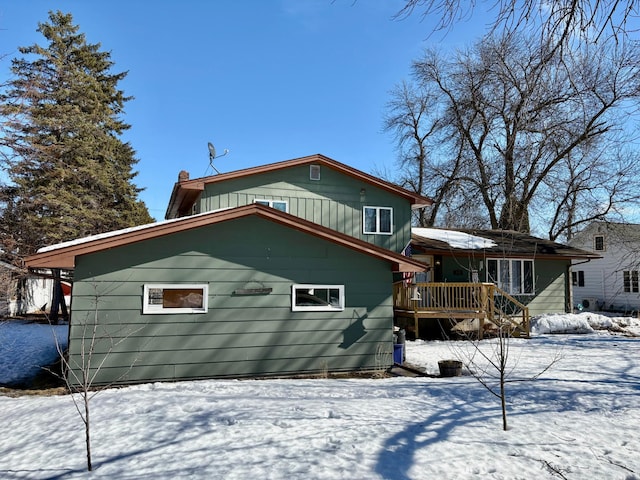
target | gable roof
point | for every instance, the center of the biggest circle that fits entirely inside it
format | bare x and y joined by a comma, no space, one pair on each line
617,232
63,255
502,243
185,192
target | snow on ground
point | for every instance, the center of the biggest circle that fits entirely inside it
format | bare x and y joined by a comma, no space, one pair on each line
26,347
579,420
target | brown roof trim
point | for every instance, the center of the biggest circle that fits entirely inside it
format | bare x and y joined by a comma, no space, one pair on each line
186,192
64,254
509,244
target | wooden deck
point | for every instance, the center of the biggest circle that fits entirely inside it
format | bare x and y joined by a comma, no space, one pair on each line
479,306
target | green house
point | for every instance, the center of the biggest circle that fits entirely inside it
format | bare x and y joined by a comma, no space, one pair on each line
533,273
315,188
281,269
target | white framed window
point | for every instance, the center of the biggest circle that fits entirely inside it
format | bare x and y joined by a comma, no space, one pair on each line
314,172
598,243
630,279
577,278
377,220
515,277
318,298
281,205
175,298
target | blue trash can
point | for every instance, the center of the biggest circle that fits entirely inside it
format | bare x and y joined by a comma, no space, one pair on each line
398,349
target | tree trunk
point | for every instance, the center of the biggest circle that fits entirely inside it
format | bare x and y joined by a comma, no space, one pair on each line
503,401
87,433
514,216
58,303
504,338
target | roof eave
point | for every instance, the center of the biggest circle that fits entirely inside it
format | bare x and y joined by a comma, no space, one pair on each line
450,252
183,196
179,202
64,257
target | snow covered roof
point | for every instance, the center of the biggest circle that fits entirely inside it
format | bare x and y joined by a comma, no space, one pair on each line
455,239
499,242
63,255
114,233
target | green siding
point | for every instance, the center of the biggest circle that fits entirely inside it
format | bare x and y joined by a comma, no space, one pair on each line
240,334
551,287
551,281
335,201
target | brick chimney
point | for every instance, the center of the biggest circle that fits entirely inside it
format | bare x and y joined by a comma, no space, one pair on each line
183,176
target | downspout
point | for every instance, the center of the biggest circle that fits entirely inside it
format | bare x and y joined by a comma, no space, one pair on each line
571,265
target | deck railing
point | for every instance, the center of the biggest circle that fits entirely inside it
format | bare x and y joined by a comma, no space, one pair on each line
484,301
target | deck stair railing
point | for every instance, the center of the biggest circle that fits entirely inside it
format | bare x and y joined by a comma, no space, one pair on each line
463,300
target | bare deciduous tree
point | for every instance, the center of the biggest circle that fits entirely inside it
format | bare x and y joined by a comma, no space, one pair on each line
514,128
490,362
80,370
563,22
418,132
598,190
408,118
483,344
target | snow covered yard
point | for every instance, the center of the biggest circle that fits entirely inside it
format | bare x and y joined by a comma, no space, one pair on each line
580,419
26,347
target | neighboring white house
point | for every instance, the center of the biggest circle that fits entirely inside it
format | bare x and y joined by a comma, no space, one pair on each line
613,281
23,295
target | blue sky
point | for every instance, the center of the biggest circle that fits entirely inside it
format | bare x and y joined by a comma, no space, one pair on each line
269,80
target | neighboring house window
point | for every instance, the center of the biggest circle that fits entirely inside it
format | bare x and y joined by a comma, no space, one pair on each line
630,281
513,276
577,278
277,204
598,243
377,220
175,298
322,298
314,172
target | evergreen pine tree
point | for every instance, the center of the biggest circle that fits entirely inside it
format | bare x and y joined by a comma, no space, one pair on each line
61,114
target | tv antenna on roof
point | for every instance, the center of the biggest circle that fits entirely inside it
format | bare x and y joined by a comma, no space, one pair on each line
212,156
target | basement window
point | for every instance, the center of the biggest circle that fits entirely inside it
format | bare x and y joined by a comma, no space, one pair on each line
175,298
319,298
